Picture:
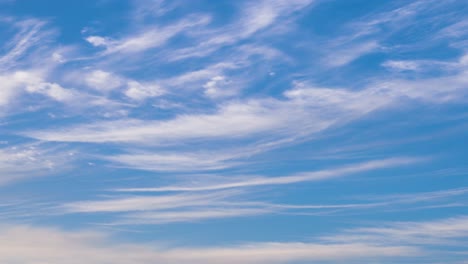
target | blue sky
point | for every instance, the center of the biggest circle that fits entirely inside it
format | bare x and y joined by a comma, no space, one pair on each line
269,131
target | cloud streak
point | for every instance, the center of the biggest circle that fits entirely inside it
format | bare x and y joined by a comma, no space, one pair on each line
27,245
282,180
20,162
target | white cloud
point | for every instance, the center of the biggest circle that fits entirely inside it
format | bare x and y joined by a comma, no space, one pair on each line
19,82
191,78
175,161
102,80
33,82
27,245
253,18
189,160
147,203
140,91
456,30
29,35
98,41
9,90
190,215
402,65
149,37
421,196
54,91
297,113
233,120
26,161
218,87
163,209
26,66
344,54
371,32
306,110
252,181
151,8
410,233
208,197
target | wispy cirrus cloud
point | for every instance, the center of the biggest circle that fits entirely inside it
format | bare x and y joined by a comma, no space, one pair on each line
19,162
352,246
27,70
213,200
250,181
411,233
96,248
306,110
147,203
150,37
188,113
21,47
253,18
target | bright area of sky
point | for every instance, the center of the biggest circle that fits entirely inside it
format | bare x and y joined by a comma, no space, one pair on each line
203,132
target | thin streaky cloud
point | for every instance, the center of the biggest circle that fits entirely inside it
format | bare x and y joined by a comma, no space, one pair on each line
94,247
293,179
270,131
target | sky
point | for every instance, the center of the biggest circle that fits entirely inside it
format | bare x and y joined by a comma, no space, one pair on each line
203,132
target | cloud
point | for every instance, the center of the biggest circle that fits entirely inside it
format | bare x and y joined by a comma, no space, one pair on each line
251,181
175,161
150,37
304,111
211,200
341,56
141,91
233,120
147,203
30,34
20,162
435,232
33,82
26,245
27,67
405,240
21,51
421,196
253,18
217,87
22,87
144,9
377,32
102,81
191,92
191,215
183,160
170,208
402,65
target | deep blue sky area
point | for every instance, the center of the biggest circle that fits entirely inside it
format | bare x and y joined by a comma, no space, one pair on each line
203,132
